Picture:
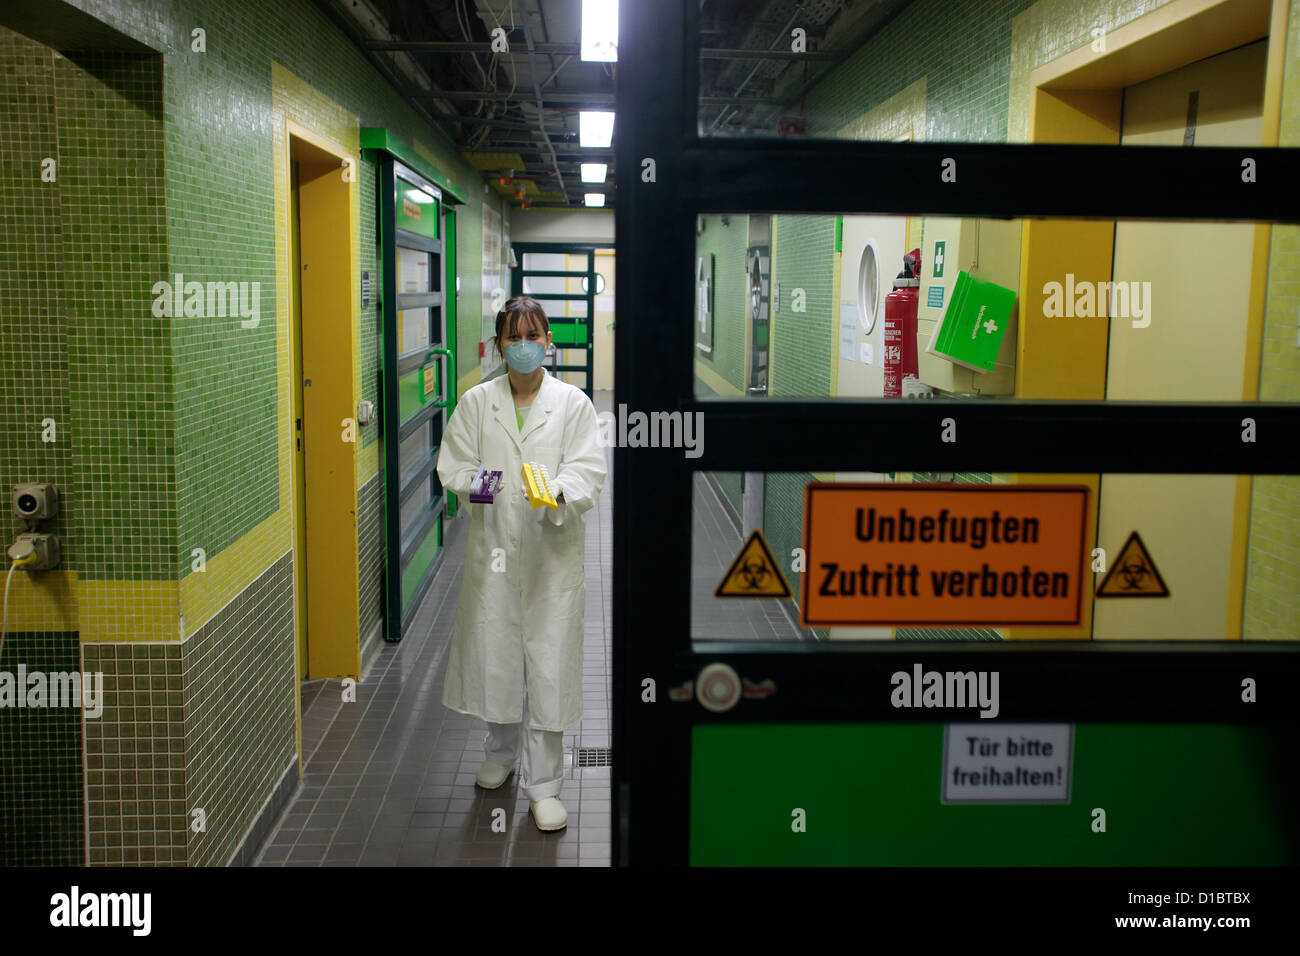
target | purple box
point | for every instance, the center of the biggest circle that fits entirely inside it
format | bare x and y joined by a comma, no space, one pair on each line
486,484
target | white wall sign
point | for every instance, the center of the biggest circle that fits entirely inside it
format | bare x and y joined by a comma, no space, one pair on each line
1007,763
868,353
848,330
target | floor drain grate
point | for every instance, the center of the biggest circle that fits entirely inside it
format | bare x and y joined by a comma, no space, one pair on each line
595,756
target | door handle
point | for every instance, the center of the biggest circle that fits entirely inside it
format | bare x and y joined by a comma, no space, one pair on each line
718,687
448,369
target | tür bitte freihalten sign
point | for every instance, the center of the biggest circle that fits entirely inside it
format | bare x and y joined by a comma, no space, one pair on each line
943,554
1007,763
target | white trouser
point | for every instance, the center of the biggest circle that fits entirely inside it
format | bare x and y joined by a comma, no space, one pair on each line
543,755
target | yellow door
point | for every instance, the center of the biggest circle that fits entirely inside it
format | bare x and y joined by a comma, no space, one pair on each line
1182,338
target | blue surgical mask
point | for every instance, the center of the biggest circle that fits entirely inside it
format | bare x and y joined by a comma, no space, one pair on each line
524,356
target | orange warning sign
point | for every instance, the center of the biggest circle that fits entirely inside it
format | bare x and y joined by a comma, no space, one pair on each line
943,554
754,573
1133,574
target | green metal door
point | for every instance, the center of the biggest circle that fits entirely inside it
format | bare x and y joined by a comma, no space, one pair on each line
569,313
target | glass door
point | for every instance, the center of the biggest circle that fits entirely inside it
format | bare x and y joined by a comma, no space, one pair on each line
418,376
545,273
837,688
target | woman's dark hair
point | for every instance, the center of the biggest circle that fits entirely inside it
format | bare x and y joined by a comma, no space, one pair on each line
509,318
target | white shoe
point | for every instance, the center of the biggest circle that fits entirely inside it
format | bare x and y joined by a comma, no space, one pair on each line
492,775
549,814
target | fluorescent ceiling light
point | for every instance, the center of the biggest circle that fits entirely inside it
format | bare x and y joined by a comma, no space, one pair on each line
600,30
594,172
419,195
595,128
595,199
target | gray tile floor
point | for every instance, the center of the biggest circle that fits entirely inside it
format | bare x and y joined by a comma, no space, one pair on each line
389,779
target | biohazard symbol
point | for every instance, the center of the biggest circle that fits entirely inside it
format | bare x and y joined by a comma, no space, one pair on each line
1133,574
754,573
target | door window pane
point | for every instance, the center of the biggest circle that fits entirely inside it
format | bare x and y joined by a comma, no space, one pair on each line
1130,557
414,267
922,306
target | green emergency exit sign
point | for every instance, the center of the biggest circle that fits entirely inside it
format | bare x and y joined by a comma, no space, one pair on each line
939,256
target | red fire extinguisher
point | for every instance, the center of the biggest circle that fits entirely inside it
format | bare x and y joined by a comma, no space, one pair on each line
900,326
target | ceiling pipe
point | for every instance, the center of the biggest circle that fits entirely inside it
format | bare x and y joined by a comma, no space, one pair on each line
556,72
356,32
537,93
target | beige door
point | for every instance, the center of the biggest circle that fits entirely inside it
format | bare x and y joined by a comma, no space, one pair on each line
860,351
1182,338
602,329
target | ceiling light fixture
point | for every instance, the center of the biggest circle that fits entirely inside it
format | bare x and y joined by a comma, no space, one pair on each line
600,30
595,128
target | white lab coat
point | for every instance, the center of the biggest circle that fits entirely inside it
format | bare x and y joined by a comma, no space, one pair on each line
532,608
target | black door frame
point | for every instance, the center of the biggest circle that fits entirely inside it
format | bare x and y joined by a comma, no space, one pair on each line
1047,681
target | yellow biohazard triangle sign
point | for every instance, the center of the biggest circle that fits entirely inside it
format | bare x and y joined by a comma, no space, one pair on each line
754,573
1133,574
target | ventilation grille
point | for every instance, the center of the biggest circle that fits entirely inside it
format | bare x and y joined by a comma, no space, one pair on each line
595,756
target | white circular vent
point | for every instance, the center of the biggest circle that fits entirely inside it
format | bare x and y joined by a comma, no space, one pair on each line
868,286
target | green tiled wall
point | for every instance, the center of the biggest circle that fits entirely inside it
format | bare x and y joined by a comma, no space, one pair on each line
135,756
33,340
42,816
370,544
962,49
240,732
119,354
802,348
220,221
80,343
220,227
205,725
172,423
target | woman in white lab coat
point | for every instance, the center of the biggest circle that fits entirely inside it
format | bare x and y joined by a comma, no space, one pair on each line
519,624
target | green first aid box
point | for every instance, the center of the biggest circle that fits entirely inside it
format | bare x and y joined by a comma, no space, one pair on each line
974,324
